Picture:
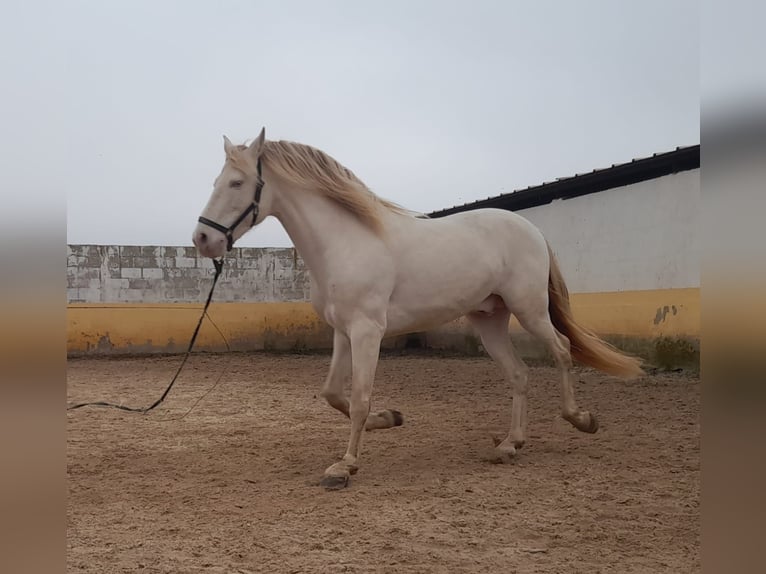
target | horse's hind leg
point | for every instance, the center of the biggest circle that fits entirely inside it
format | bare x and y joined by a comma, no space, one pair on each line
493,330
536,319
339,375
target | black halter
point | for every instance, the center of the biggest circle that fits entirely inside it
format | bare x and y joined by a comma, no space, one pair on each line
229,231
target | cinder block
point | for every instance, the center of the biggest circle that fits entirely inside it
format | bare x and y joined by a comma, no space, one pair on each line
151,251
234,275
82,282
172,274
116,283
95,263
202,274
193,294
230,263
130,273
89,273
153,273
112,256
167,262
253,263
173,295
89,250
92,295
128,262
282,275
130,251
138,283
185,262
169,252
75,260
110,272
292,295
145,262
130,296
152,296
186,283
156,285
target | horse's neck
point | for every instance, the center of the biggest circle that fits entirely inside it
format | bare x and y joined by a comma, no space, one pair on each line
319,228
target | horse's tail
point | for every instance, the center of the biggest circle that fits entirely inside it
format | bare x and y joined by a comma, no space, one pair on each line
586,347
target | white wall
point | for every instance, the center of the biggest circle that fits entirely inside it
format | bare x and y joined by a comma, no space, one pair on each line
639,237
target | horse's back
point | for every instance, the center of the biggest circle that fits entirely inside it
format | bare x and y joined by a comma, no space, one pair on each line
490,230
448,266
491,219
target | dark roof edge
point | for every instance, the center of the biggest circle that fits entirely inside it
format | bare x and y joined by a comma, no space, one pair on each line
619,175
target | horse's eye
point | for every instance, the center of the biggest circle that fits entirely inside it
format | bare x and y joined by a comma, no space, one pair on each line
236,183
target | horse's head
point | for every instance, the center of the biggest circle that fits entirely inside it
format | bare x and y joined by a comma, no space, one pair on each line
236,203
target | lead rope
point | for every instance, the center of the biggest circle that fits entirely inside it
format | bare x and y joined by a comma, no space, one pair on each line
218,263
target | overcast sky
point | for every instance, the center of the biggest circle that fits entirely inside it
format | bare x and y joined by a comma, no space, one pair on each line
431,103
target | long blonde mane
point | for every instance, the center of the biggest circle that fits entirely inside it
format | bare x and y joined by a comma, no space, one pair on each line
310,168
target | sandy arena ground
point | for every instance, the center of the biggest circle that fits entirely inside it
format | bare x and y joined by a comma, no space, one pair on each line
233,486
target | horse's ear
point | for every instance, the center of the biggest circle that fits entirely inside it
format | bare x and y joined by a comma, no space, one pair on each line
228,147
256,147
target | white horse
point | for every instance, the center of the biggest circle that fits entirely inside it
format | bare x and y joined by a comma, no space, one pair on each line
379,270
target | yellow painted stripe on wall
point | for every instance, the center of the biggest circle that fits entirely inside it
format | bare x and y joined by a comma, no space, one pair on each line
143,327
643,314
659,313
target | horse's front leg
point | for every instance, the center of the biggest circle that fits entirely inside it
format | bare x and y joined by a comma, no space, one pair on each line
340,372
365,339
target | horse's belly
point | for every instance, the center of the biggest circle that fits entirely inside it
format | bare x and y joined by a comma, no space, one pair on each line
445,296
399,322
401,319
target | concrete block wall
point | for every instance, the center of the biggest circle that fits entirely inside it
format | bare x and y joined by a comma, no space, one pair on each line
158,274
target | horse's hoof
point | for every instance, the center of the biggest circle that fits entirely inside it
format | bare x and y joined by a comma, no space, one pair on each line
497,440
593,426
334,482
502,456
504,452
385,419
590,426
